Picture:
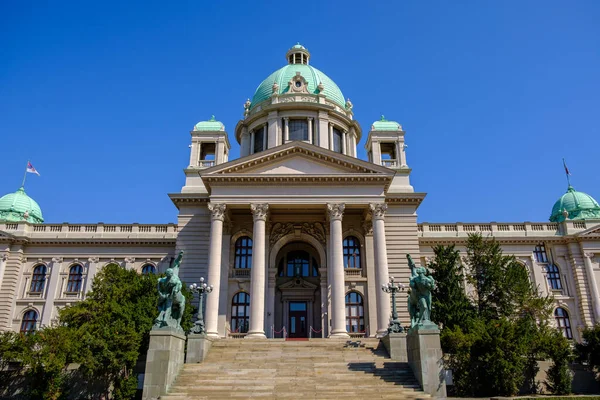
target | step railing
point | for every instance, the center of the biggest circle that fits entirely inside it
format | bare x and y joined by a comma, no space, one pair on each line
312,330
235,334
283,331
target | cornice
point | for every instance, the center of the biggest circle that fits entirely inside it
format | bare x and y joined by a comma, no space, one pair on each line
298,179
103,242
405,198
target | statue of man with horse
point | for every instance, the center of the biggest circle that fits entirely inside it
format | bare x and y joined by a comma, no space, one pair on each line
419,299
171,302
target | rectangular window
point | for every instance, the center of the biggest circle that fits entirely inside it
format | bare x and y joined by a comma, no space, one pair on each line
337,141
298,129
258,140
540,253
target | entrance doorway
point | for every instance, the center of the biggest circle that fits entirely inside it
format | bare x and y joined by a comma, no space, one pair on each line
298,316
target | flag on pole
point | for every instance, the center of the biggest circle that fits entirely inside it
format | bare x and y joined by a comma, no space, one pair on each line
31,169
566,169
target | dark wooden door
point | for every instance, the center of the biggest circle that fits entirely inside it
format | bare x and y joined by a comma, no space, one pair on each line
298,320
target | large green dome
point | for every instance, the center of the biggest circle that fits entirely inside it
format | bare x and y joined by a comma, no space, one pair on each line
312,75
17,206
578,205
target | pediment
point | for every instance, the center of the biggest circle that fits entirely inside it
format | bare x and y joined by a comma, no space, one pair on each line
297,283
297,158
594,231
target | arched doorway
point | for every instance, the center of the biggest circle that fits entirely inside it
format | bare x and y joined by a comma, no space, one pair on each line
298,289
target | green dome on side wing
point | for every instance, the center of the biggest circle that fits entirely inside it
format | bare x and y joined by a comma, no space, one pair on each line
17,207
212,125
575,205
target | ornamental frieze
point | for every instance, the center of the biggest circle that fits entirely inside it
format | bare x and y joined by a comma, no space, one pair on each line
314,229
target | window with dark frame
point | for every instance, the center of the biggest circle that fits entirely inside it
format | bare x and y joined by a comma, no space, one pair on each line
298,264
351,247
563,322
355,319
38,279
540,253
337,140
148,269
259,143
75,278
240,311
243,253
29,322
298,129
553,276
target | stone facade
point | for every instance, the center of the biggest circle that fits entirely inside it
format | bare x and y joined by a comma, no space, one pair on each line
297,233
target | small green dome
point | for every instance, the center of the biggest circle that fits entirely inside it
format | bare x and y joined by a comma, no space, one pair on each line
578,205
17,206
211,125
385,125
284,75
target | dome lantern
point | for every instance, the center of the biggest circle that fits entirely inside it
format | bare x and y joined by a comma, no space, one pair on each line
298,54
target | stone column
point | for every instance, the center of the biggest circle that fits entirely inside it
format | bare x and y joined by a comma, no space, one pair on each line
265,142
245,145
540,277
344,137
338,285
51,291
372,289
589,268
214,268
258,272
92,268
310,130
251,143
286,129
381,266
330,136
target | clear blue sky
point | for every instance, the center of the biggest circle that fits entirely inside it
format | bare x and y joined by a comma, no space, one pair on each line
101,96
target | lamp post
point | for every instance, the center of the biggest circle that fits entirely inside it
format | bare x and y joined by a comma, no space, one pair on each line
201,290
394,326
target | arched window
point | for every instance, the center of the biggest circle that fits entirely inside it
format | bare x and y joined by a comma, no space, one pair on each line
337,140
298,263
240,311
355,318
243,253
148,269
563,322
351,252
29,321
38,280
553,275
75,278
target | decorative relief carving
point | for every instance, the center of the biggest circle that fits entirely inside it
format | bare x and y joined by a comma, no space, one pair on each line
4,257
368,228
275,88
307,99
335,211
289,99
316,230
259,211
280,230
589,255
129,260
217,211
298,84
93,260
57,260
378,210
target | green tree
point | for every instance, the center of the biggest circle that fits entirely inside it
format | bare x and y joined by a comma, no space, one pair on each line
588,352
451,306
492,337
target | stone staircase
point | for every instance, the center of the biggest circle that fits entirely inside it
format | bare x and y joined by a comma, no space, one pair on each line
278,369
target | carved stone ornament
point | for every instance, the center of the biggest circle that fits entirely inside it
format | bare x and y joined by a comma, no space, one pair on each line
316,230
217,211
378,210
259,211
275,88
335,211
4,257
298,84
368,228
93,260
589,255
349,105
247,105
57,260
321,87
280,230
130,260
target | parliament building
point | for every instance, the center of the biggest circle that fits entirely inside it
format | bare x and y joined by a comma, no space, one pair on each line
298,232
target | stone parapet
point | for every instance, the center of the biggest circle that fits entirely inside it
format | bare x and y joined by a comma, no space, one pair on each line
395,344
197,348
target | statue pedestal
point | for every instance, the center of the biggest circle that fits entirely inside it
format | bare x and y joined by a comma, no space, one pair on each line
198,346
426,359
163,361
395,344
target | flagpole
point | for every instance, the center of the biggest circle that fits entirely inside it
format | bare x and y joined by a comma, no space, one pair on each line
567,173
25,176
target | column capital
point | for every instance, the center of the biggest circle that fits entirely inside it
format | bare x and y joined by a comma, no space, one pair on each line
335,211
217,211
309,118
286,119
368,228
589,255
259,211
378,210
57,260
93,260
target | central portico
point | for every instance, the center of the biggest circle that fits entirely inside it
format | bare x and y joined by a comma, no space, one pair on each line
293,234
